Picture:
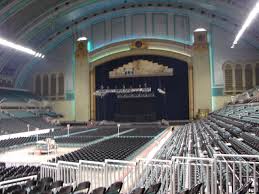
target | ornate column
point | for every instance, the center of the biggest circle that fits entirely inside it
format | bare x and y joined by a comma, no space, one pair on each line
201,72
82,82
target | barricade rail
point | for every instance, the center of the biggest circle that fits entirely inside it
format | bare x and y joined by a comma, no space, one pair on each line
221,174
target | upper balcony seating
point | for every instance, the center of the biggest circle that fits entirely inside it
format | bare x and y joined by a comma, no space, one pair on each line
11,95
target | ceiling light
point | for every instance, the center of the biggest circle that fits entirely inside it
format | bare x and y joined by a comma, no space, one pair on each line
252,15
83,38
18,47
200,30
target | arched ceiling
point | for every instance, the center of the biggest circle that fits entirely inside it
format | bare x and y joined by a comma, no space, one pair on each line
38,23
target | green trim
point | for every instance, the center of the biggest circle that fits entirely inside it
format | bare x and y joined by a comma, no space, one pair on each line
211,52
217,91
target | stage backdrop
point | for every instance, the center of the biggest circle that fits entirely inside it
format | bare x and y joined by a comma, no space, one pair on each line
174,105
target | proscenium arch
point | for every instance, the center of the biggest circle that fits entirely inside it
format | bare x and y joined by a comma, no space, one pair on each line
138,52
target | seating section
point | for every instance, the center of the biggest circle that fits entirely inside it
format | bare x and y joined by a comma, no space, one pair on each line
18,172
76,140
114,148
222,132
12,125
11,143
150,131
248,113
12,95
47,185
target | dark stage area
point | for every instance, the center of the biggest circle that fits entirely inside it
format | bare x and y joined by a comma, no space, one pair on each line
173,105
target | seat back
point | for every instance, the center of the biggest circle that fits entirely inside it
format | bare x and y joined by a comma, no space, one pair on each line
19,192
115,188
153,189
56,184
12,188
99,190
244,189
138,191
195,189
66,190
83,186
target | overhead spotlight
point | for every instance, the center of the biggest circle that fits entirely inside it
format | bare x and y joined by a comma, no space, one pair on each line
252,15
83,38
18,47
200,30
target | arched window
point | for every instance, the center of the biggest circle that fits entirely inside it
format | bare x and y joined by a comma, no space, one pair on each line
249,76
228,79
45,85
53,84
239,78
61,84
257,74
38,85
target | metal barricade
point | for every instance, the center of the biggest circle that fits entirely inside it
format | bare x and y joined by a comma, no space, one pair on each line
189,171
93,172
49,169
155,171
124,171
222,174
233,171
68,172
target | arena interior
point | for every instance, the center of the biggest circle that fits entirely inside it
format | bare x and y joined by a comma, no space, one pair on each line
129,96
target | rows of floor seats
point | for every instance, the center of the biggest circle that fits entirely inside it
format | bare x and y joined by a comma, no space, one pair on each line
18,172
76,140
104,131
115,148
9,143
48,186
145,131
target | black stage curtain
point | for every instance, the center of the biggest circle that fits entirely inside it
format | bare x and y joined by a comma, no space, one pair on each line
172,106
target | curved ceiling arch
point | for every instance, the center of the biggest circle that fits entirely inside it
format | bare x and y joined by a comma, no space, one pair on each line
59,15
21,73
